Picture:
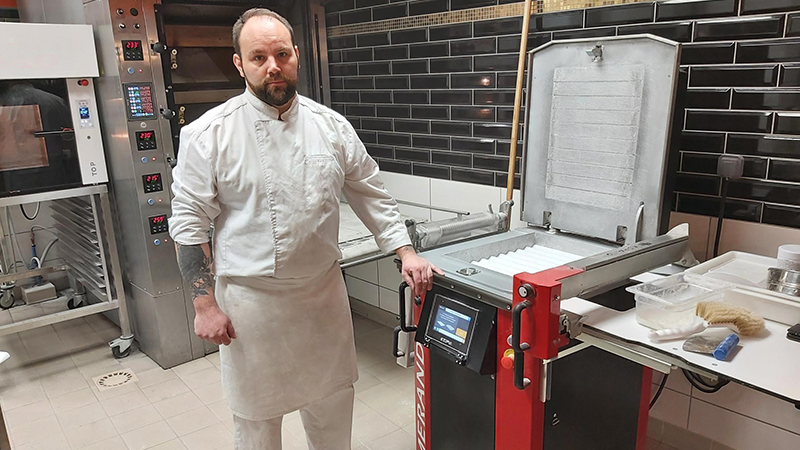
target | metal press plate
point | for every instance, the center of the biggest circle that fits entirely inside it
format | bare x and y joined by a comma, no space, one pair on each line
597,137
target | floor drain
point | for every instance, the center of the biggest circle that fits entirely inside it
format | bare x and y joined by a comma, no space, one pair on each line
114,379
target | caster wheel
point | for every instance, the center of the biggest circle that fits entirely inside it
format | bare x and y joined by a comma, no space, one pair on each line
72,303
120,354
6,300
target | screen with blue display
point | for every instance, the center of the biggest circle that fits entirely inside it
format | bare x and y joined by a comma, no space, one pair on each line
452,323
84,112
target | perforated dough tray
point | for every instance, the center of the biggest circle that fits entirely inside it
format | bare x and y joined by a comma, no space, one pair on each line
745,270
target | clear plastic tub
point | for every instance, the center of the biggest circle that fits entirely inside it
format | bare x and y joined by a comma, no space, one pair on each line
670,302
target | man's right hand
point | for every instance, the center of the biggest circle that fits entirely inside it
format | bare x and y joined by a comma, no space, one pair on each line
211,324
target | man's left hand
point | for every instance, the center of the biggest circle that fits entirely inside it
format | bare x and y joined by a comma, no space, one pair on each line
417,271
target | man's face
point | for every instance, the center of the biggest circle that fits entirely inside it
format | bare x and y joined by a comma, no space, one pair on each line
268,61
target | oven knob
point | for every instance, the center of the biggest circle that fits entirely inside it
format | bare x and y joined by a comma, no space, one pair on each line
151,202
525,291
136,25
131,70
120,11
134,12
167,113
158,47
144,160
122,26
157,242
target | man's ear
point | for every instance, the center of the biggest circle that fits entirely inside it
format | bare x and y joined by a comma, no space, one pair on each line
237,61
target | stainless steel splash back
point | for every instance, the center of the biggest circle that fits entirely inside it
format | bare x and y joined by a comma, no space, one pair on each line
598,124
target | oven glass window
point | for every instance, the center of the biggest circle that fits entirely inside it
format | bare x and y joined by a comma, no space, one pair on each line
37,148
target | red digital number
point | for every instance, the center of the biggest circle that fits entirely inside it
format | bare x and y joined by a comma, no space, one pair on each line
132,44
146,135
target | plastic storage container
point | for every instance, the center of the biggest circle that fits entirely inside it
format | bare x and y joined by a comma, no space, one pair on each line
670,302
789,257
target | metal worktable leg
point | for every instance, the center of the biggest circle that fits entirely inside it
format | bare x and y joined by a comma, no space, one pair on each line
120,347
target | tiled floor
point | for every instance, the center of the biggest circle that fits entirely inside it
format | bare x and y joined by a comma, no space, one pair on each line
49,401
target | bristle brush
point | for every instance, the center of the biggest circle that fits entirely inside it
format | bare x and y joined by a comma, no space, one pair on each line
714,315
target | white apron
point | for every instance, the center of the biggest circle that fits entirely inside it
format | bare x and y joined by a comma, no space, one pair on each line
271,186
294,342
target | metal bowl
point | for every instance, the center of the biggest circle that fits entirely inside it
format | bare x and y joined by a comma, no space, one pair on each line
784,281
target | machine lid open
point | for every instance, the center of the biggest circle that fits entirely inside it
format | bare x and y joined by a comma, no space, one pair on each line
599,118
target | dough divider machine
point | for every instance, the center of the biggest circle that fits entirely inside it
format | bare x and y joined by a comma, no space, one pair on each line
497,362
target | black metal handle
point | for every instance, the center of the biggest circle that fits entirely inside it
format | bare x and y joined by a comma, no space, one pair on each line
519,348
172,161
44,134
159,47
402,299
167,113
395,343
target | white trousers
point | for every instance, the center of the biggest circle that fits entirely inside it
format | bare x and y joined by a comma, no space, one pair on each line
328,424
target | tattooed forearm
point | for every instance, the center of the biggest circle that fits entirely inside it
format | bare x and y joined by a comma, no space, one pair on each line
195,263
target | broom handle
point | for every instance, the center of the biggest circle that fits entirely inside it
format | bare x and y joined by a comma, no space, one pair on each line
523,46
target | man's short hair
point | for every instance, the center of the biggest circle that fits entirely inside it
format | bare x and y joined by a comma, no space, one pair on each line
257,12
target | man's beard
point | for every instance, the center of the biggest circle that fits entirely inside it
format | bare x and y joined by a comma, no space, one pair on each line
274,95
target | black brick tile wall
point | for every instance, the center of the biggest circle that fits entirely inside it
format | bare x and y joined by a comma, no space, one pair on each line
436,101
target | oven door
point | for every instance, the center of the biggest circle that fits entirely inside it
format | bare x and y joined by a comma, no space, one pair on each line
38,151
198,61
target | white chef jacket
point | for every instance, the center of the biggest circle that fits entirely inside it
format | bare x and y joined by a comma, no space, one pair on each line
272,188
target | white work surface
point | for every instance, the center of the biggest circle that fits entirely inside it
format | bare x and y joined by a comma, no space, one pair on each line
768,362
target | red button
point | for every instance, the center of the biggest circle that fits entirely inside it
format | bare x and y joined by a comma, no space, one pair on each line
83,82
508,359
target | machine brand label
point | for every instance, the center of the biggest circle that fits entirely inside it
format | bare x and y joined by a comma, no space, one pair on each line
419,358
446,341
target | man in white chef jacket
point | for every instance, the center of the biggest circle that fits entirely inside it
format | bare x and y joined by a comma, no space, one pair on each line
267,168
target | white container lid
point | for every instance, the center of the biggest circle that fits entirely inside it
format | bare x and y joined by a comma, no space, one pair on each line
789,252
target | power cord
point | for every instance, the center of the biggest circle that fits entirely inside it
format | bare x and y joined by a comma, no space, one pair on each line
703,386
729,167
659,391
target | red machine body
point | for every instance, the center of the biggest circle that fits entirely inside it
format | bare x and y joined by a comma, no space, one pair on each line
520,413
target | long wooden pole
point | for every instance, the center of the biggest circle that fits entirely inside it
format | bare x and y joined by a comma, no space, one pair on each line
523,46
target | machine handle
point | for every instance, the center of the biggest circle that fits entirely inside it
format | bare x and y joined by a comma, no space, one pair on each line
172,161
402,298
395,343
520,382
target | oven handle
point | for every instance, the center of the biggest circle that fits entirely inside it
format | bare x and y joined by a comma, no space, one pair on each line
402,299
520,382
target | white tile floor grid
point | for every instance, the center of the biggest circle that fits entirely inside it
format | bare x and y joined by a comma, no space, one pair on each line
49,402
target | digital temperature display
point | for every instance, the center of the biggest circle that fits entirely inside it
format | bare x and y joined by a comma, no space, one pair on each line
146,140
158,224
132,51
152,183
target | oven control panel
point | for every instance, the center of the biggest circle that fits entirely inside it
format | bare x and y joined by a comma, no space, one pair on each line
132,50
152,183
139,101
146,140
158,224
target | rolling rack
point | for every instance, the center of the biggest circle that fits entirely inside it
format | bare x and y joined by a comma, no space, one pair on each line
85,230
